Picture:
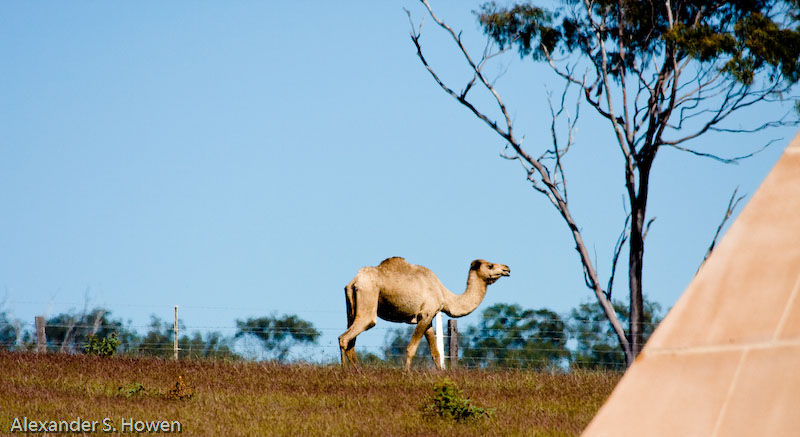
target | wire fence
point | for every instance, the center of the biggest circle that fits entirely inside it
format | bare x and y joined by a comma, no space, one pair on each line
527,340
479,347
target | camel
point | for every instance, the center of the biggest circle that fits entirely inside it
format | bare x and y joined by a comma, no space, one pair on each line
398,291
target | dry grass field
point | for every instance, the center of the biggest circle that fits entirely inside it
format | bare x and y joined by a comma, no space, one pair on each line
246,398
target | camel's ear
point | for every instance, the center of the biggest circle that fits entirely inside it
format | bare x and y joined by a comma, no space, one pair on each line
475,265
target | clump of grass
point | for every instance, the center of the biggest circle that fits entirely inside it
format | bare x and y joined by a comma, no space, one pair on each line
181,391
449,402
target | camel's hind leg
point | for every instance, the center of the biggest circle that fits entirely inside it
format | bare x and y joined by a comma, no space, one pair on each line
351,307
360,317
435,352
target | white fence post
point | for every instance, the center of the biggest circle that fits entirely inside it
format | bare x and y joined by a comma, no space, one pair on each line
175,344
439,338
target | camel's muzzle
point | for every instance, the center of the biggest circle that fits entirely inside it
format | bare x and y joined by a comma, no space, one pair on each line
495,276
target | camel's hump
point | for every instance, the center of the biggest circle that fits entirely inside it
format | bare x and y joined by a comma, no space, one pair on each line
393,260
396,264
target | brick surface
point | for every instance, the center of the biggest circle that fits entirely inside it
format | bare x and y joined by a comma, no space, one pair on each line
725,360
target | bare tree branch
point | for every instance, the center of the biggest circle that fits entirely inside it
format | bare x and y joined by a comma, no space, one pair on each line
734,160
98,319
736,97
623,237
732,203
647,227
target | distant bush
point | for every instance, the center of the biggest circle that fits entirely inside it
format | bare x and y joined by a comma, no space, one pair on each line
278,334
135,389
448,402
104,347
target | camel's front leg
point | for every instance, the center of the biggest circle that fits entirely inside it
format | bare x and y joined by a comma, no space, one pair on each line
423,325
435,352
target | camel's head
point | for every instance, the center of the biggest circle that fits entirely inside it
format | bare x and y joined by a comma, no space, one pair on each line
488,271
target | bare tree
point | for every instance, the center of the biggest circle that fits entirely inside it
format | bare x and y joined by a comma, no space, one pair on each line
661,74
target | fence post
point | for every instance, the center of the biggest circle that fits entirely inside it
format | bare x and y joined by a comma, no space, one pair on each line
41,339
452,333
439,337
175,343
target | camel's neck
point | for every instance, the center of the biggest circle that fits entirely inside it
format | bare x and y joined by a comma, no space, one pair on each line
457,305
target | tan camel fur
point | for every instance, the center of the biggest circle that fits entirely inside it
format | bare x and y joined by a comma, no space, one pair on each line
401,292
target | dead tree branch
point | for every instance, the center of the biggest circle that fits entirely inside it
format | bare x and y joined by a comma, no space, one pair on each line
623,237
732,203
734,160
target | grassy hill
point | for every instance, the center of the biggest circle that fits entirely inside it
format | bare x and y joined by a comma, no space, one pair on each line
245,398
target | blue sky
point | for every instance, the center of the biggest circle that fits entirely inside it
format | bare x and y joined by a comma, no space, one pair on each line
247,158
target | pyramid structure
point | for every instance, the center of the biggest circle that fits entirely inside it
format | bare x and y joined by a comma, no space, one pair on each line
726,359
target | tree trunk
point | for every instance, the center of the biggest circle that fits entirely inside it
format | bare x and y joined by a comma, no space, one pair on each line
635,280
636,258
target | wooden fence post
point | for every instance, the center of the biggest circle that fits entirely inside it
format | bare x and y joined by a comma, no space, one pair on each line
175,343
41,339
452,333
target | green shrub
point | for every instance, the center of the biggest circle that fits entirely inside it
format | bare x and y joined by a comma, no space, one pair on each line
135,389
448,402
104,347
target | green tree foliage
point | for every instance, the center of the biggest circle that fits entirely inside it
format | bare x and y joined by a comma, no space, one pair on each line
510,336
278,334
12,336
160,338
208,345
104,347
596,345
371,359
743,37
395,344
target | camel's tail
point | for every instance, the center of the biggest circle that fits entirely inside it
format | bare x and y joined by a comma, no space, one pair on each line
350,297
